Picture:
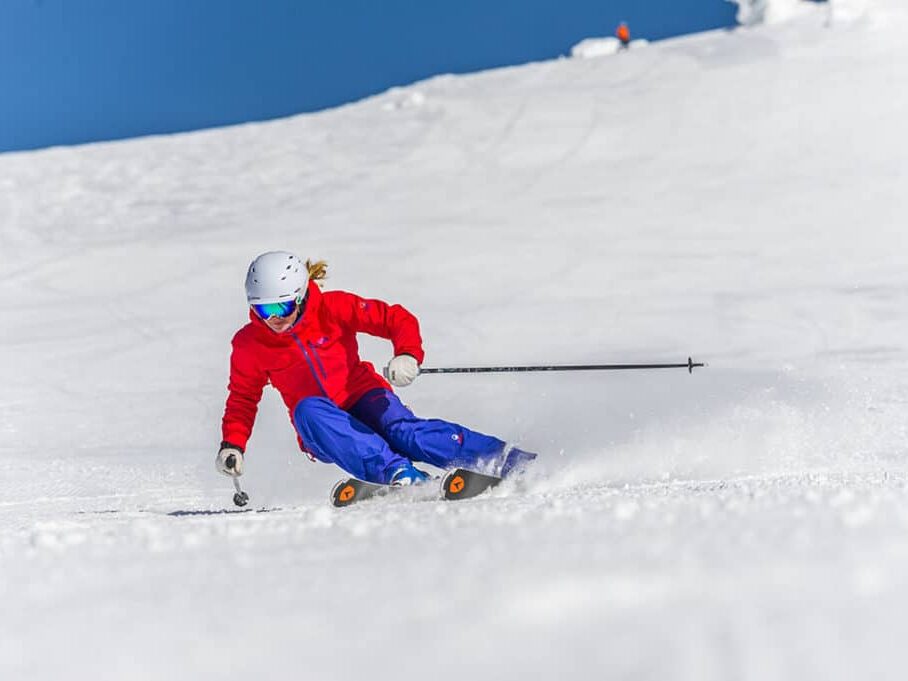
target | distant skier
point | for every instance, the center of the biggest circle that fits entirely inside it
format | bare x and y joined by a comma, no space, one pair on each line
623,33
303,342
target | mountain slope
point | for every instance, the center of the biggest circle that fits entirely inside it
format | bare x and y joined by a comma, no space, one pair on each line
735,196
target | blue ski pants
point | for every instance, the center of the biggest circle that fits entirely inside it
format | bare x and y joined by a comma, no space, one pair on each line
378,435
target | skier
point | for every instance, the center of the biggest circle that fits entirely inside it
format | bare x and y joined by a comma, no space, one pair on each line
623,33
303,342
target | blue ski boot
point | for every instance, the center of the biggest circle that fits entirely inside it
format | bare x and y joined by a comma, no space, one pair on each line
408,475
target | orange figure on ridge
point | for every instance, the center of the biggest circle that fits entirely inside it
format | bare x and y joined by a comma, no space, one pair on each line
623,33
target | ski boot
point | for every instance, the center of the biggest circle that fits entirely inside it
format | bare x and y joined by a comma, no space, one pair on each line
408,475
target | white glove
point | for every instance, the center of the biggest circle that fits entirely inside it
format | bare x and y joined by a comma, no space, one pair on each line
402,370
235,467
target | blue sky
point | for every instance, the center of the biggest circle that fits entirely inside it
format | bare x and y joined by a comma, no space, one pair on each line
74,71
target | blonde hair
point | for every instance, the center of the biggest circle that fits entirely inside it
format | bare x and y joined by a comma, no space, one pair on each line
318,270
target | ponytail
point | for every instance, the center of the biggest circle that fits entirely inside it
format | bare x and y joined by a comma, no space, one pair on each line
318,270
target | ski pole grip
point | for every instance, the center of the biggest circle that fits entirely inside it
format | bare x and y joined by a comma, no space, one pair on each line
230,462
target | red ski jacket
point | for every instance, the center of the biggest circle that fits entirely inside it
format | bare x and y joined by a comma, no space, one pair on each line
317,356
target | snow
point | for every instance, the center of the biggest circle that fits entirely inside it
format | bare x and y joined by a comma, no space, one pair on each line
734,196
590,48
772,11
752,12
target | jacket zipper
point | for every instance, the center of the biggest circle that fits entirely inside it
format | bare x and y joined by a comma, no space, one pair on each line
317,358
311,366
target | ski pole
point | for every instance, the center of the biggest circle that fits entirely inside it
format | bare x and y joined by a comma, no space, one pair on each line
689,365
240,498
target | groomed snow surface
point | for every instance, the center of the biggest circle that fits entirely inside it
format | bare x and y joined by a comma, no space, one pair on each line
735,196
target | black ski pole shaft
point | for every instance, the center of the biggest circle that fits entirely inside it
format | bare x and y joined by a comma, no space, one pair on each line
240,498
690,365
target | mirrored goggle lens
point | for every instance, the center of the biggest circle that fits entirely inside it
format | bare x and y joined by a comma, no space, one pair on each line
268,310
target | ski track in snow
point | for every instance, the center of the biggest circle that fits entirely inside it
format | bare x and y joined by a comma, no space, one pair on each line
735,196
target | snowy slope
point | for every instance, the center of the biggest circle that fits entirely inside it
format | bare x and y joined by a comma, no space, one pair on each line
734,196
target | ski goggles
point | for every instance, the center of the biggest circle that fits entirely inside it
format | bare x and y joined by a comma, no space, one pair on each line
269,310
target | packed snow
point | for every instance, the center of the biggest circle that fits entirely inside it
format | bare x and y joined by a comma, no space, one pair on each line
590,48
733,196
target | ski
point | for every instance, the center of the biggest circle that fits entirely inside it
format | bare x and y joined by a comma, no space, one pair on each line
457,484
463,484
351,490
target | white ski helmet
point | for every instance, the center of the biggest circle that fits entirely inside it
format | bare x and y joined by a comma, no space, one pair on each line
274,277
